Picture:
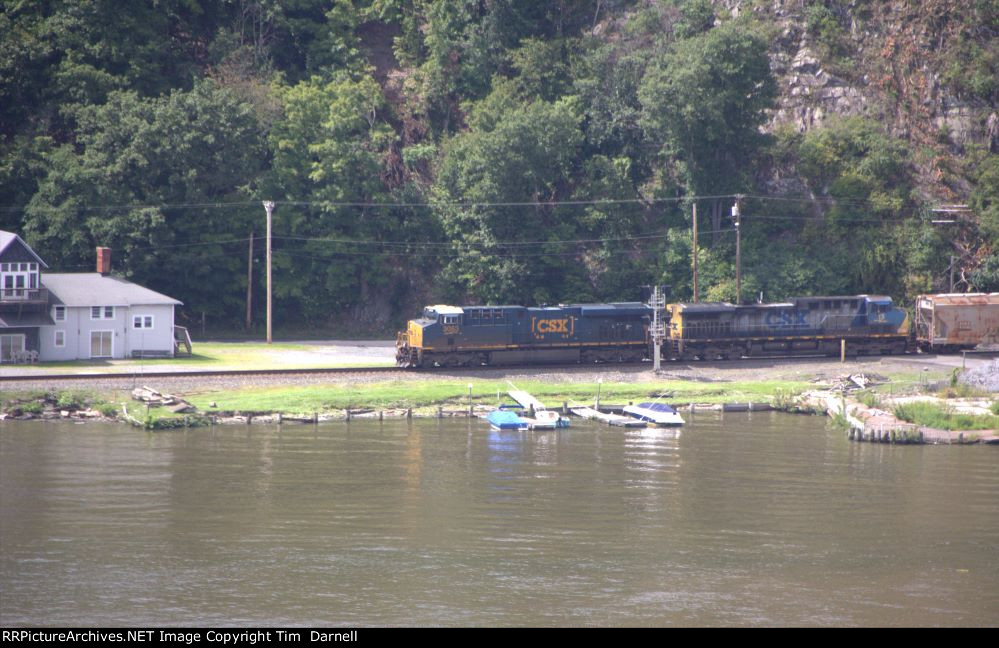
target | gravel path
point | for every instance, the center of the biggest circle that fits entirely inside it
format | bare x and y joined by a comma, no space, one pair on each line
802,369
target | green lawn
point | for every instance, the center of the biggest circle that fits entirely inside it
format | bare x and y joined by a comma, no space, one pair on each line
217,355
454,393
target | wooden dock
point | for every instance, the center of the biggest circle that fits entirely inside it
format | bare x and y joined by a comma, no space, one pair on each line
525,400
534,407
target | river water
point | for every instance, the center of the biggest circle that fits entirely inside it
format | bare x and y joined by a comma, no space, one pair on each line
742,519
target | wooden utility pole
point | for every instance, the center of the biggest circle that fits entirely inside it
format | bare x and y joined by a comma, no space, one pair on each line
695,252
249,285
269,206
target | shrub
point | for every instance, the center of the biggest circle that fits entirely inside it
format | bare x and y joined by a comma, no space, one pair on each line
33,407
71,401
869,398
943,417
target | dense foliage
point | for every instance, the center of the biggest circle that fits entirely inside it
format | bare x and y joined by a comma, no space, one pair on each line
475,151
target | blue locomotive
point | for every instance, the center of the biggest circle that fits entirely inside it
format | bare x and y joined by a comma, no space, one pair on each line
471,336
868,325
453,336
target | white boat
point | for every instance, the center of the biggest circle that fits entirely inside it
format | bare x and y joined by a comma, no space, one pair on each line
610,419
654,413
547,420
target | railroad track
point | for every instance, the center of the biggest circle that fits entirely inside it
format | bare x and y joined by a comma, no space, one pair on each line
36,377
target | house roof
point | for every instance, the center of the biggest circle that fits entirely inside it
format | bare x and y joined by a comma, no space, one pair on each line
95,289
32,319
7,239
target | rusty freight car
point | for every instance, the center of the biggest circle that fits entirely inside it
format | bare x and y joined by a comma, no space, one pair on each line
951,322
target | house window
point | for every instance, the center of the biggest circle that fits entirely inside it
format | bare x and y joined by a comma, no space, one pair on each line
101,312
142,322
60,338
59,313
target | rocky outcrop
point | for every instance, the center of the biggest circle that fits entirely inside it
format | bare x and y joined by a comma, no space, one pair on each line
810,93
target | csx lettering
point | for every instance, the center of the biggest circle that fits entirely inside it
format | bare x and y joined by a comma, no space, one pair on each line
553,326
784,319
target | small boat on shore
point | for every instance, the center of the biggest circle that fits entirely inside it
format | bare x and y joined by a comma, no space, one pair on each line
506,420
655,414
610,419
547,420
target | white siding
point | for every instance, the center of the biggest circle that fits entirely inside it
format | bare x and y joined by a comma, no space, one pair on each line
125,339
158,339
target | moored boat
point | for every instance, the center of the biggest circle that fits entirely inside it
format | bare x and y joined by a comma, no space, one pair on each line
654,414
547,420
506,420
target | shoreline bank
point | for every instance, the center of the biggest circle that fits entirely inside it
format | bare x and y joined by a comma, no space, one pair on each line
861,422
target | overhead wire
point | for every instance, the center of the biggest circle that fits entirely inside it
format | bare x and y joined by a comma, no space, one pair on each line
444,204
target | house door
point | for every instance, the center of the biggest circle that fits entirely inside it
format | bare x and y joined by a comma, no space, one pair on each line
100,344
9,345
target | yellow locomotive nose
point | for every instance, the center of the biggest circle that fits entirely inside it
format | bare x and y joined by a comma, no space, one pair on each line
415,335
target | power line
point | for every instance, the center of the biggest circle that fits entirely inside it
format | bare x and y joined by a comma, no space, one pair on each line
445,204
378,205
448,244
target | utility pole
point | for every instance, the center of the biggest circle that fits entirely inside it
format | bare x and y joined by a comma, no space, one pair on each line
954,211
249,285
695,253
269,206
738,251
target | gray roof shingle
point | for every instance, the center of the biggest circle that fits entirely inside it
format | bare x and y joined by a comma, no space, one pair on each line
95,289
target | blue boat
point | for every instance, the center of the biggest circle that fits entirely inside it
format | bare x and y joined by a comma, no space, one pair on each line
505,420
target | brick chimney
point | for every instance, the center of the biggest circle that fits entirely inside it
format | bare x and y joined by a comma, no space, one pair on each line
104,260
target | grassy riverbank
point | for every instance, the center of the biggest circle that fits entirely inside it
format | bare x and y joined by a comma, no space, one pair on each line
455,393
417,395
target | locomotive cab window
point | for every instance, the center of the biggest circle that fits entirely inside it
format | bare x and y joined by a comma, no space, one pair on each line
449,319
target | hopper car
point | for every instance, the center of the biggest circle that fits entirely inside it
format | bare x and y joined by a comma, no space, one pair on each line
957,321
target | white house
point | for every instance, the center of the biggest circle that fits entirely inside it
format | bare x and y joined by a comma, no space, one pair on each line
80,315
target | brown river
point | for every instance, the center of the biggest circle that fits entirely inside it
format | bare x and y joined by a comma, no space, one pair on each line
741,519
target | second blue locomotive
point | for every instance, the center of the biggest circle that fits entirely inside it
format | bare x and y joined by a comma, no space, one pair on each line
452,336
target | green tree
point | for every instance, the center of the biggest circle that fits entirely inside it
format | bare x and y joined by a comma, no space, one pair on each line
329,149
704,101
142,182
985,198
520,154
